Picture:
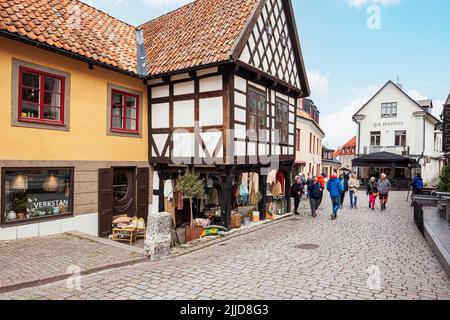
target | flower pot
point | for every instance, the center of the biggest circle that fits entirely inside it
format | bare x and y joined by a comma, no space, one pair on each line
246,221
193,234
255,216
20,216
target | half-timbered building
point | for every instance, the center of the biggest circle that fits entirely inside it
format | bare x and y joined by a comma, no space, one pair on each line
225,80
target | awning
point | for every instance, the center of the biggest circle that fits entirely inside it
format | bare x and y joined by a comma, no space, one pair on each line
386,160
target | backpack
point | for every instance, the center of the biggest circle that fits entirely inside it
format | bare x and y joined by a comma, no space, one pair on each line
419,184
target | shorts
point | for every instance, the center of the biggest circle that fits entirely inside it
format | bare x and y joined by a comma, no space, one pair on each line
383,197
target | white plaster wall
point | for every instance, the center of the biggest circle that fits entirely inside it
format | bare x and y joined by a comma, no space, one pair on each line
184,114
183,88
211,84
211,111
160,92
87,223
160,116
304,155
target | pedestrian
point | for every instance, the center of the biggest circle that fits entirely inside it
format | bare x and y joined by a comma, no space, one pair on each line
334,187
321,179
309,180
372,192
315,192
353,185
384,186
417,184
297,191
344,183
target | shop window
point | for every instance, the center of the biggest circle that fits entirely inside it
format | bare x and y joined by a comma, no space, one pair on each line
257,122
36,194
400,138
41,97
375,139
124,112
282,120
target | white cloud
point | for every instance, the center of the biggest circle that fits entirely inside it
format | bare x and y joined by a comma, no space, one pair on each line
360,3
320,84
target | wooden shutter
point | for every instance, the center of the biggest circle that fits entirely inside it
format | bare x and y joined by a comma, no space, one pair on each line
143,177
105,202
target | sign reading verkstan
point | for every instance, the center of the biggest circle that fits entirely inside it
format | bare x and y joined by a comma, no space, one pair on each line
446,129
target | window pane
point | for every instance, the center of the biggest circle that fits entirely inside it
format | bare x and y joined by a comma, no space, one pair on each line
52,113
37,194
117,111
117,99
252,103
131,124
117,122
53,85
131,102
31,95
30,80
30,110
131,113
52,99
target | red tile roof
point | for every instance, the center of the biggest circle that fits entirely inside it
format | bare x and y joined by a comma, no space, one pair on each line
351,143
74,27
200,33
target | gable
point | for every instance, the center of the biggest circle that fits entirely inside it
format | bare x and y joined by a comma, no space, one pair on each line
272,46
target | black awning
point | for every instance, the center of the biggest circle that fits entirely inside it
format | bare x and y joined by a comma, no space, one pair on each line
385,159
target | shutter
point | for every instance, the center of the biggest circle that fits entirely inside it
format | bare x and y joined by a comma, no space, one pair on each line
143,177
105,202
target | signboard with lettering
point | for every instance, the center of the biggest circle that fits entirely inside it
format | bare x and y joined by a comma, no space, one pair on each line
446,129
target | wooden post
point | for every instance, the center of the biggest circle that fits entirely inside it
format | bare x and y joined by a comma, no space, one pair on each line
161,190
287,189
263,191
227,194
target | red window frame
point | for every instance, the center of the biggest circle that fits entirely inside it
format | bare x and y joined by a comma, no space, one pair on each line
124,114
43,76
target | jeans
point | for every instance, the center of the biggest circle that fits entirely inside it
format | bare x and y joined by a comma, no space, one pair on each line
314,205
353,199
336,204
296,204
342,198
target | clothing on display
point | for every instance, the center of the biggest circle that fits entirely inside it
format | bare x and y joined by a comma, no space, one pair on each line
168,189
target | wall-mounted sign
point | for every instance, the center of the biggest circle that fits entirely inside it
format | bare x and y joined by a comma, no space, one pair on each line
446,129
388,124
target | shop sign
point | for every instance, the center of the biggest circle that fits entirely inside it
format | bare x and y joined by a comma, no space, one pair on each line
50,204
388,124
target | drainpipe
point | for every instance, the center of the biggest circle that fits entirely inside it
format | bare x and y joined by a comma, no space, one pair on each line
423,144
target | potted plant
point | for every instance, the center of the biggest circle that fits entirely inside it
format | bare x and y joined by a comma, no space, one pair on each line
20,203
191,186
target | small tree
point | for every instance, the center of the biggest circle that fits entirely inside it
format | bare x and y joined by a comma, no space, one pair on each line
444,181
191,186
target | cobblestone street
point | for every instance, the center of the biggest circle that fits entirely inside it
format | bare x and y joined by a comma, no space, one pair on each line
268,264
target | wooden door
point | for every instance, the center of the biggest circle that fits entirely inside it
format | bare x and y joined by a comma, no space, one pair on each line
143,177
105,202
124,192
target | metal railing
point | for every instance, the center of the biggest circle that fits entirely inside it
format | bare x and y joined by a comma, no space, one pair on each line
400,150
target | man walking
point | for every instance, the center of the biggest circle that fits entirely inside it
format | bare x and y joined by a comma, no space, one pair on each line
417,184
335,189
353,185
384,186
344,183
315,191
297,192
321,179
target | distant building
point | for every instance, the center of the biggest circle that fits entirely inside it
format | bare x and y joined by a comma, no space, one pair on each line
392,124
330,166
309,139
346,154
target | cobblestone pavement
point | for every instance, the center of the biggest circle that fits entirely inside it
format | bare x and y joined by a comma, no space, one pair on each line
36,259
267,264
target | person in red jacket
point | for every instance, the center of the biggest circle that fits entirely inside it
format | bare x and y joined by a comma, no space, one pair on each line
321,179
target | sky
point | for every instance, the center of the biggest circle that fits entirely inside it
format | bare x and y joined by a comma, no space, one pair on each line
351,48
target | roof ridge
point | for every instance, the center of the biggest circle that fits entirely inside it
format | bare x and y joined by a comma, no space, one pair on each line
103,12
166,14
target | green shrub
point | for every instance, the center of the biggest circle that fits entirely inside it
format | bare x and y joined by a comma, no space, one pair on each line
444,180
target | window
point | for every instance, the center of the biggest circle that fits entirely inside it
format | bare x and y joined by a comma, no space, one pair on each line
389,110
375,139
257,123
36,194
41,97
282,120
400,138
298,144
124,112
310,142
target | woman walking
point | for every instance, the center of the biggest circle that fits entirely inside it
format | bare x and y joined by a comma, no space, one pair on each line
315,191
344,183
372,192
334,186
353,185
384,186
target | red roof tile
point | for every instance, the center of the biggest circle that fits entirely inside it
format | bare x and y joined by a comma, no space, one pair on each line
200,33
73,26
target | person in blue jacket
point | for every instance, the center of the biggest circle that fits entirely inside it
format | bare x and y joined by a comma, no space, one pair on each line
334,186
315,192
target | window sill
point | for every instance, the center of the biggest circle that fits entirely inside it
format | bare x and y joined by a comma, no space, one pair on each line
43,122
15,223
124,133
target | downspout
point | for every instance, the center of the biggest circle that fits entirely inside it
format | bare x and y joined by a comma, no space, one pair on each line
423,150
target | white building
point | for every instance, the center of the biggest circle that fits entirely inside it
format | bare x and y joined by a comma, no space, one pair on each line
392,122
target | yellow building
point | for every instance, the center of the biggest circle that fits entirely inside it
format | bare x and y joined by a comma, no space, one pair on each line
73,114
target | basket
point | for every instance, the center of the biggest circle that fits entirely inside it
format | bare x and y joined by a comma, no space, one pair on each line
236,220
